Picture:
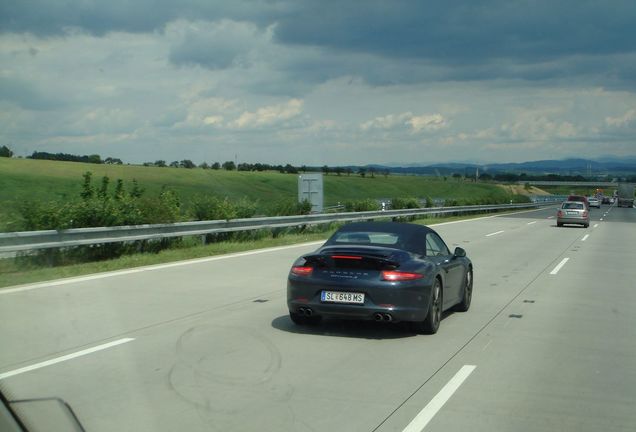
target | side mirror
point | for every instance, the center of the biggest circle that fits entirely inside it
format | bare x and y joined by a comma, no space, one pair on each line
459,253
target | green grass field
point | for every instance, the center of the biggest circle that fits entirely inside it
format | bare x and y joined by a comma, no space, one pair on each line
24,180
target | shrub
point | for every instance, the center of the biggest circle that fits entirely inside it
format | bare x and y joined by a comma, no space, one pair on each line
289,207
361,205
404,203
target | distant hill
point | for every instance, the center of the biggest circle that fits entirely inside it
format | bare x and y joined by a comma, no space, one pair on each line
570,167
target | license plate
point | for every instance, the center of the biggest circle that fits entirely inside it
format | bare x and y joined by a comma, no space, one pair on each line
342,297
572,213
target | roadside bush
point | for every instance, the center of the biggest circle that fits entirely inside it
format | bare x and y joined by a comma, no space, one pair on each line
521,199
213,208
99,208
164,209
404,203
289,207
361,205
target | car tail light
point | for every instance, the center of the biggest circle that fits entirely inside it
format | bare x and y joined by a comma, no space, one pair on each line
348,257
302,270
559,213
396,276
584,214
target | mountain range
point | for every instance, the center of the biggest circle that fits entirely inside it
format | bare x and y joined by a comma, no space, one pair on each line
585,167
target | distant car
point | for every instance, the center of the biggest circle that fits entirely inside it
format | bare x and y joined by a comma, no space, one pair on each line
580,198
573,212
606,199
381,271
594,202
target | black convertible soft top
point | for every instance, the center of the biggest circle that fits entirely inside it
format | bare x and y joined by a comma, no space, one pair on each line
399,228
410,237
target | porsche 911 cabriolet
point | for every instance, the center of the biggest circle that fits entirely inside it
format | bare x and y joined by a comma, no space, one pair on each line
381,271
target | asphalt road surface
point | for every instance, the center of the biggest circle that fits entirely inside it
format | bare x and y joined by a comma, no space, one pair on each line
207,345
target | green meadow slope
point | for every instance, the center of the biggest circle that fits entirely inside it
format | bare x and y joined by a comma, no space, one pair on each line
26,180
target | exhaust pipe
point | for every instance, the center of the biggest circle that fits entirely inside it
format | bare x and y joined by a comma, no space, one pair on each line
378,317
388,317
305,311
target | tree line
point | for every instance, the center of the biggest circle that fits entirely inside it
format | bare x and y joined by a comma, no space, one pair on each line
362,171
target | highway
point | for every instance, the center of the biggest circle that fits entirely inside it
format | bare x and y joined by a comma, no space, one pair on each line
207,345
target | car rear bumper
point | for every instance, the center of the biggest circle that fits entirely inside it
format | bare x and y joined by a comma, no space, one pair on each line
573,221
410,303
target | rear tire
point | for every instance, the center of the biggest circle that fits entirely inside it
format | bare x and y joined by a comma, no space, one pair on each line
559,224
430,325
464,305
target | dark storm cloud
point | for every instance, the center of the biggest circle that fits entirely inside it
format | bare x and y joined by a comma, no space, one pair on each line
52,17
468,31
385,42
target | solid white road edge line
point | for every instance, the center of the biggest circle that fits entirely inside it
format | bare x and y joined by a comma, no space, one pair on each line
558,267
585,237
65,357
428,412
495,233
531,223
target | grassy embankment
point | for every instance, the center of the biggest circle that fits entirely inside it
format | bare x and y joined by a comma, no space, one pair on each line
577,190
25,180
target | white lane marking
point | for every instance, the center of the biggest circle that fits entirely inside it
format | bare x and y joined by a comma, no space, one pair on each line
585,237
550,217
595,226
533,222
65,358
558,267
601,219
495,233
428,412
483,217
150,268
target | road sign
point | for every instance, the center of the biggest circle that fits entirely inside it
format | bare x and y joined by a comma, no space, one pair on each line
310,189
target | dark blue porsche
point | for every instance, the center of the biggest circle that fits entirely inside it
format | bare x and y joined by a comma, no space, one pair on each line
382,271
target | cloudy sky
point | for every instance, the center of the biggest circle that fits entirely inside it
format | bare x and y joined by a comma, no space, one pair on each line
319,82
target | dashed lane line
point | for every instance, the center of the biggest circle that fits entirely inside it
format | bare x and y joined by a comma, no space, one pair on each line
64,358
428,412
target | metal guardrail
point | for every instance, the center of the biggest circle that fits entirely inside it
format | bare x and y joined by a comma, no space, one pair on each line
34,240
590,183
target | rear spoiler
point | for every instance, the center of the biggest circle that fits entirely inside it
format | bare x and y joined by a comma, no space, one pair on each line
375,261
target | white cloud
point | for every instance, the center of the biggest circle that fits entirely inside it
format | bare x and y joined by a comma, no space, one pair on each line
205,111
539,125
269,115
623,120
387,122
427,122
213,120
406,120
